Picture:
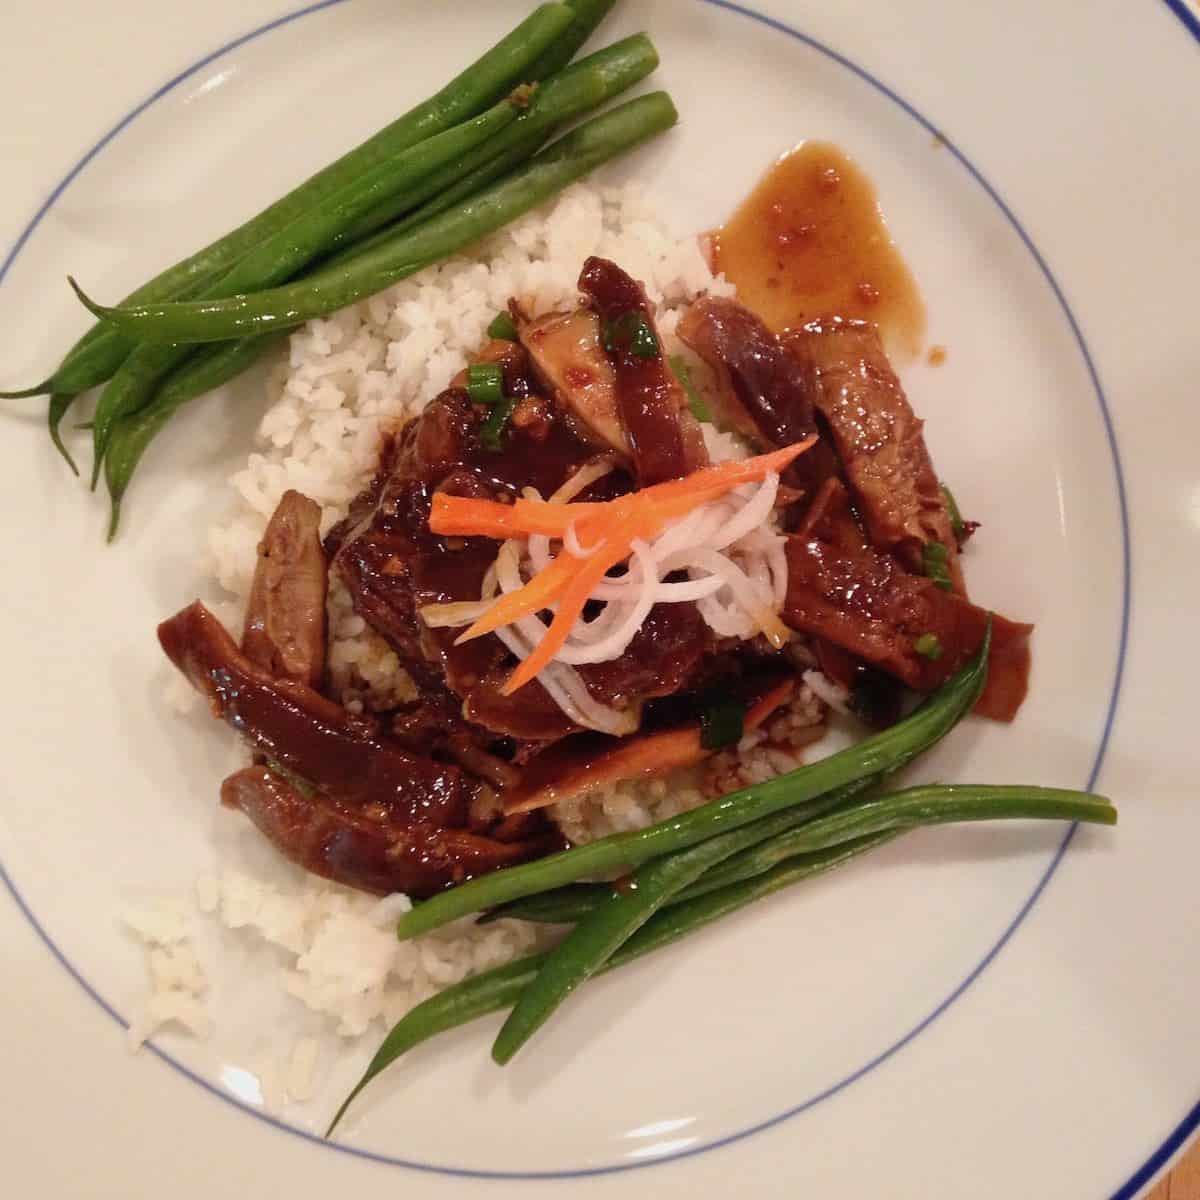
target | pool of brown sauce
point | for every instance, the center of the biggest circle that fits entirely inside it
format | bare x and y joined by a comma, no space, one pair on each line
810,241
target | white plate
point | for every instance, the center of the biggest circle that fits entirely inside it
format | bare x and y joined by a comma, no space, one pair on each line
989,1012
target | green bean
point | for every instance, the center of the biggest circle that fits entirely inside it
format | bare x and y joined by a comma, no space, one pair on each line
884,818
129,390
588,14
96,356
594,940
561,906
578,89
571,904
57,410
280,256
207,368
930,804
400,180
874,756
134,382
891,814
499,988
560,164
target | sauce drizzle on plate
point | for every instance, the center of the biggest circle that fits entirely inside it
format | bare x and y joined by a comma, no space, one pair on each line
811,242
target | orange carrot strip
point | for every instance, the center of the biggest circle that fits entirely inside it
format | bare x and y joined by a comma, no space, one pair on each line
546,587
543,589
558,773
710,482
585,574
464,516
570,580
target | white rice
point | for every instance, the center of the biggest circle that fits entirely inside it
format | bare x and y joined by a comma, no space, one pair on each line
349,379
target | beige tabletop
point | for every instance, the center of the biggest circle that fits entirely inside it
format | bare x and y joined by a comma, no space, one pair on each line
1182,1182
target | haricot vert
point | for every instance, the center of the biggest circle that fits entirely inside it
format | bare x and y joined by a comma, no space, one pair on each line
440,155
874,756
208,367
511,61
570,158
828,842
280,256
652,886
499,988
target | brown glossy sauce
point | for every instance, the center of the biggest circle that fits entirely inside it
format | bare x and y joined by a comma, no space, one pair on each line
811,242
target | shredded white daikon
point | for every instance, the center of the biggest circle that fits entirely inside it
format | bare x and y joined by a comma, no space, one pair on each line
736,574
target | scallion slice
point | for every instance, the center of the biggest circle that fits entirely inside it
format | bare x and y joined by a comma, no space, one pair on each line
929,646
496,425
485,383
722,723
952,511
631,331
502,328
696,402
936,559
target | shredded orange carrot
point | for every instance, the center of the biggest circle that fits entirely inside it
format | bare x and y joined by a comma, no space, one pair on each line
568,580
584,575
543,589
554,775
463,516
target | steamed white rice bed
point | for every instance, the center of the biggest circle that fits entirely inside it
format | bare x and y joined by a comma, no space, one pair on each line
347,380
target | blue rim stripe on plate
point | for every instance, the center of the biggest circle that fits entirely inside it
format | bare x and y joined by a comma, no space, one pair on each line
779,26
1188,15
132,116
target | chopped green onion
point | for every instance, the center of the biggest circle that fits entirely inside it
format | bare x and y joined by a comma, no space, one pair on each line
952,511
631,331
722,723
936,559
495,427
696,402
502,328
485,383
929,646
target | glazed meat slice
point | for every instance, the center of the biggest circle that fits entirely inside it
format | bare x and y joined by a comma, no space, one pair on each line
878,439
477,670
568,358
867,604
309,735
285,618
591,760
763,390
831,518
662,434
768,391
664,657
394,566
367,848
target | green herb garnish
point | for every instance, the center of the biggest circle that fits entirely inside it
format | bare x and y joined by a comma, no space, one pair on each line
929,646
485,383
722,723
631,331
952,511
696,402
936,560
496,425
305,788
502,328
